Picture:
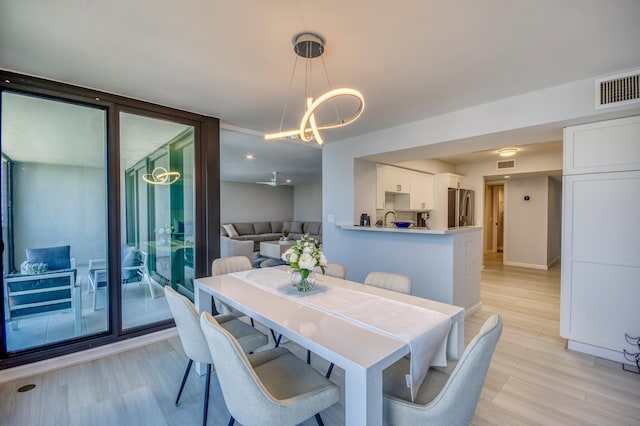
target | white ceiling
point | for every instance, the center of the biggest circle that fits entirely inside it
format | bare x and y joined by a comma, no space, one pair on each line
411,59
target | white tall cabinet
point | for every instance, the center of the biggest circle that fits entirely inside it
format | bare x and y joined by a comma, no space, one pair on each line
601,236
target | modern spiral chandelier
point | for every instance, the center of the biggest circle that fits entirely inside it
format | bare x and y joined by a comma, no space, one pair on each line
161,176
309,46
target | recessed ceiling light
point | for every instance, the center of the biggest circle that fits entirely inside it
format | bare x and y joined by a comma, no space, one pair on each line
507,152
249,156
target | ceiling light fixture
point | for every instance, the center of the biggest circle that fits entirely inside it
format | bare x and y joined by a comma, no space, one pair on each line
309,46
249,156
507,152
161,176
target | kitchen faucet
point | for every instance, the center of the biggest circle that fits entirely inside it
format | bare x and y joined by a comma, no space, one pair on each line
395,217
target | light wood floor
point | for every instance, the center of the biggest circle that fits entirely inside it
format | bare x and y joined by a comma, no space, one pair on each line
533,379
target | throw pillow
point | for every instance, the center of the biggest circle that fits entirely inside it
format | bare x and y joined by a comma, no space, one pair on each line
55,257
231,231
296,227
262,228
312,228
244,228
130,257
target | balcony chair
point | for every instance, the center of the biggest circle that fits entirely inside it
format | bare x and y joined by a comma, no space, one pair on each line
193,341
134,270
272,387
46,285
443,398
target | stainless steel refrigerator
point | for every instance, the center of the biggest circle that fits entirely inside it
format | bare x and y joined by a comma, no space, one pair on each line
460,210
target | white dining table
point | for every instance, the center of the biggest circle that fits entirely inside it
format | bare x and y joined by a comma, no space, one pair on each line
362,352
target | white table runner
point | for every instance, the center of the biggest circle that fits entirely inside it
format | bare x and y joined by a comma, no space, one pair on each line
424,330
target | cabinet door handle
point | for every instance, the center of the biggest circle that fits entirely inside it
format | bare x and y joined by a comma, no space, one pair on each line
398,188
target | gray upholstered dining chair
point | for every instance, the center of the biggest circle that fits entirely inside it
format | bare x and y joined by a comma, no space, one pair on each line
193,341
389,281
272,387
333,269
227,265
443,398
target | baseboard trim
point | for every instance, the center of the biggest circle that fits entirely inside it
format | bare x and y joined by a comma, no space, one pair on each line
605,353
472,310
526,265
554,261
63,361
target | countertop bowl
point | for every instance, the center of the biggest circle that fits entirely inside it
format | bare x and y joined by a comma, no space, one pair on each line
402,224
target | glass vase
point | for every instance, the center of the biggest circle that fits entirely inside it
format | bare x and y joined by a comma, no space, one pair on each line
303,279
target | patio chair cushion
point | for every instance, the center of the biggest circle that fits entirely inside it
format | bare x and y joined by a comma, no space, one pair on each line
55,257
130,257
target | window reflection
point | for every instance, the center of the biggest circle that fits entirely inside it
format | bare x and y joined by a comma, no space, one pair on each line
158,213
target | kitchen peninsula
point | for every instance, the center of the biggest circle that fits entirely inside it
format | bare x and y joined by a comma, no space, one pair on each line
444,264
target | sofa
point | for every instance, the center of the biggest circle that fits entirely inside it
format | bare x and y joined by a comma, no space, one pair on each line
270,231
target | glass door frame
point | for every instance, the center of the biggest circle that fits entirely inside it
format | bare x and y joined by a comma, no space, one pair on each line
206,194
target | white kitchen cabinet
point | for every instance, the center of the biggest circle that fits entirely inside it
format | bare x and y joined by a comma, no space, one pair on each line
380,202
420,198
601,236
452,180
396,180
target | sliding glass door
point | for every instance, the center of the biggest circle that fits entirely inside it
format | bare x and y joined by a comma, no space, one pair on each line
102,198
157,159
54,220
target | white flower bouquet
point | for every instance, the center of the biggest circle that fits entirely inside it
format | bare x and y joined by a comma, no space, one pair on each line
303,257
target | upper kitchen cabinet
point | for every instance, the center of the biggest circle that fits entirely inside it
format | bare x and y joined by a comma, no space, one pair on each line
450,180
412,191
395,179
421,196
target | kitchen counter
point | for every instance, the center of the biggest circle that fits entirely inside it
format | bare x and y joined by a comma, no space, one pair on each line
443,264
412,230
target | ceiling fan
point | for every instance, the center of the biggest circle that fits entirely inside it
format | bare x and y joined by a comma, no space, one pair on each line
274,181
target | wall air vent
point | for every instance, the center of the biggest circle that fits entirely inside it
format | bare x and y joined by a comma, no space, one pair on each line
506,164
621,89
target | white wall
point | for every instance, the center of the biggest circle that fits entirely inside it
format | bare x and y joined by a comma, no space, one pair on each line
542,109
525,230
248,202
475,173
554,227
307,202
59,205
